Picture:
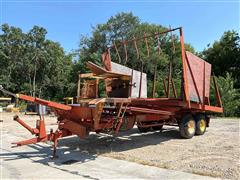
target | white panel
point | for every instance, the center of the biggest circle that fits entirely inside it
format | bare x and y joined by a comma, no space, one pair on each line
136,79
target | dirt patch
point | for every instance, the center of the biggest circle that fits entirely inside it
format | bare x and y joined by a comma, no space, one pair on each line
215,154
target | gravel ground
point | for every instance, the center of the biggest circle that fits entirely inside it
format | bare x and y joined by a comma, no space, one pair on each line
216,153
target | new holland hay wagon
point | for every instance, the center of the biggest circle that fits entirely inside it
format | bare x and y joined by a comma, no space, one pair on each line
126,103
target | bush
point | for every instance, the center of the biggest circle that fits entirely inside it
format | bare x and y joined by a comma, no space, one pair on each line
229,95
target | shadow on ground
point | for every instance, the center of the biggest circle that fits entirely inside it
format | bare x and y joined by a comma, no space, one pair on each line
74,150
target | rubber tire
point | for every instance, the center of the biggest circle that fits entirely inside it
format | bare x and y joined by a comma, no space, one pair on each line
198,119
144,129
157,128
183,126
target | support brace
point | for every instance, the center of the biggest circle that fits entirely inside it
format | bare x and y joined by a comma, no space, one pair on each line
41,135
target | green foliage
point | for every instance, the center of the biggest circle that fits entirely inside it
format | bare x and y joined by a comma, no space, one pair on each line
229,95
32,64
224,55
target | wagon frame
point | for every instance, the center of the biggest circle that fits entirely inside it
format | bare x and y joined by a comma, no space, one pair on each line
112,114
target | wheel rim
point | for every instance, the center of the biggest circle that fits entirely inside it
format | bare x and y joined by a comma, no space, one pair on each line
191,127
202,125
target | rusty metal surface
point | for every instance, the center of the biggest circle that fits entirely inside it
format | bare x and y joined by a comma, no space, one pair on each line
39,132
202,79
44,102
75,128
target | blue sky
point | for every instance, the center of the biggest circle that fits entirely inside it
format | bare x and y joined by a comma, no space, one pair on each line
203,21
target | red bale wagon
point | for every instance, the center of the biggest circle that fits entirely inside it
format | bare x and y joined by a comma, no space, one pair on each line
126,103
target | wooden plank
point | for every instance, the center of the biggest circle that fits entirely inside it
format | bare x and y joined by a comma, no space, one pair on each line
118,100
109,100
86,75
99,71
96,101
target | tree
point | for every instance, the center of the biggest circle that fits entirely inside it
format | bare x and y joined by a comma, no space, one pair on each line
11,49
32,64
229,95
224,55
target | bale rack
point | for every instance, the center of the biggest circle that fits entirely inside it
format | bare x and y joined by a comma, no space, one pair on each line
125,103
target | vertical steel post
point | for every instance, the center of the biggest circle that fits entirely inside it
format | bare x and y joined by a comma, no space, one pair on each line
131,83
165,88
154,81
126,53
203,100
169,78
217,94
140,85
79,88
185,80
174,89
146,42
116,49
